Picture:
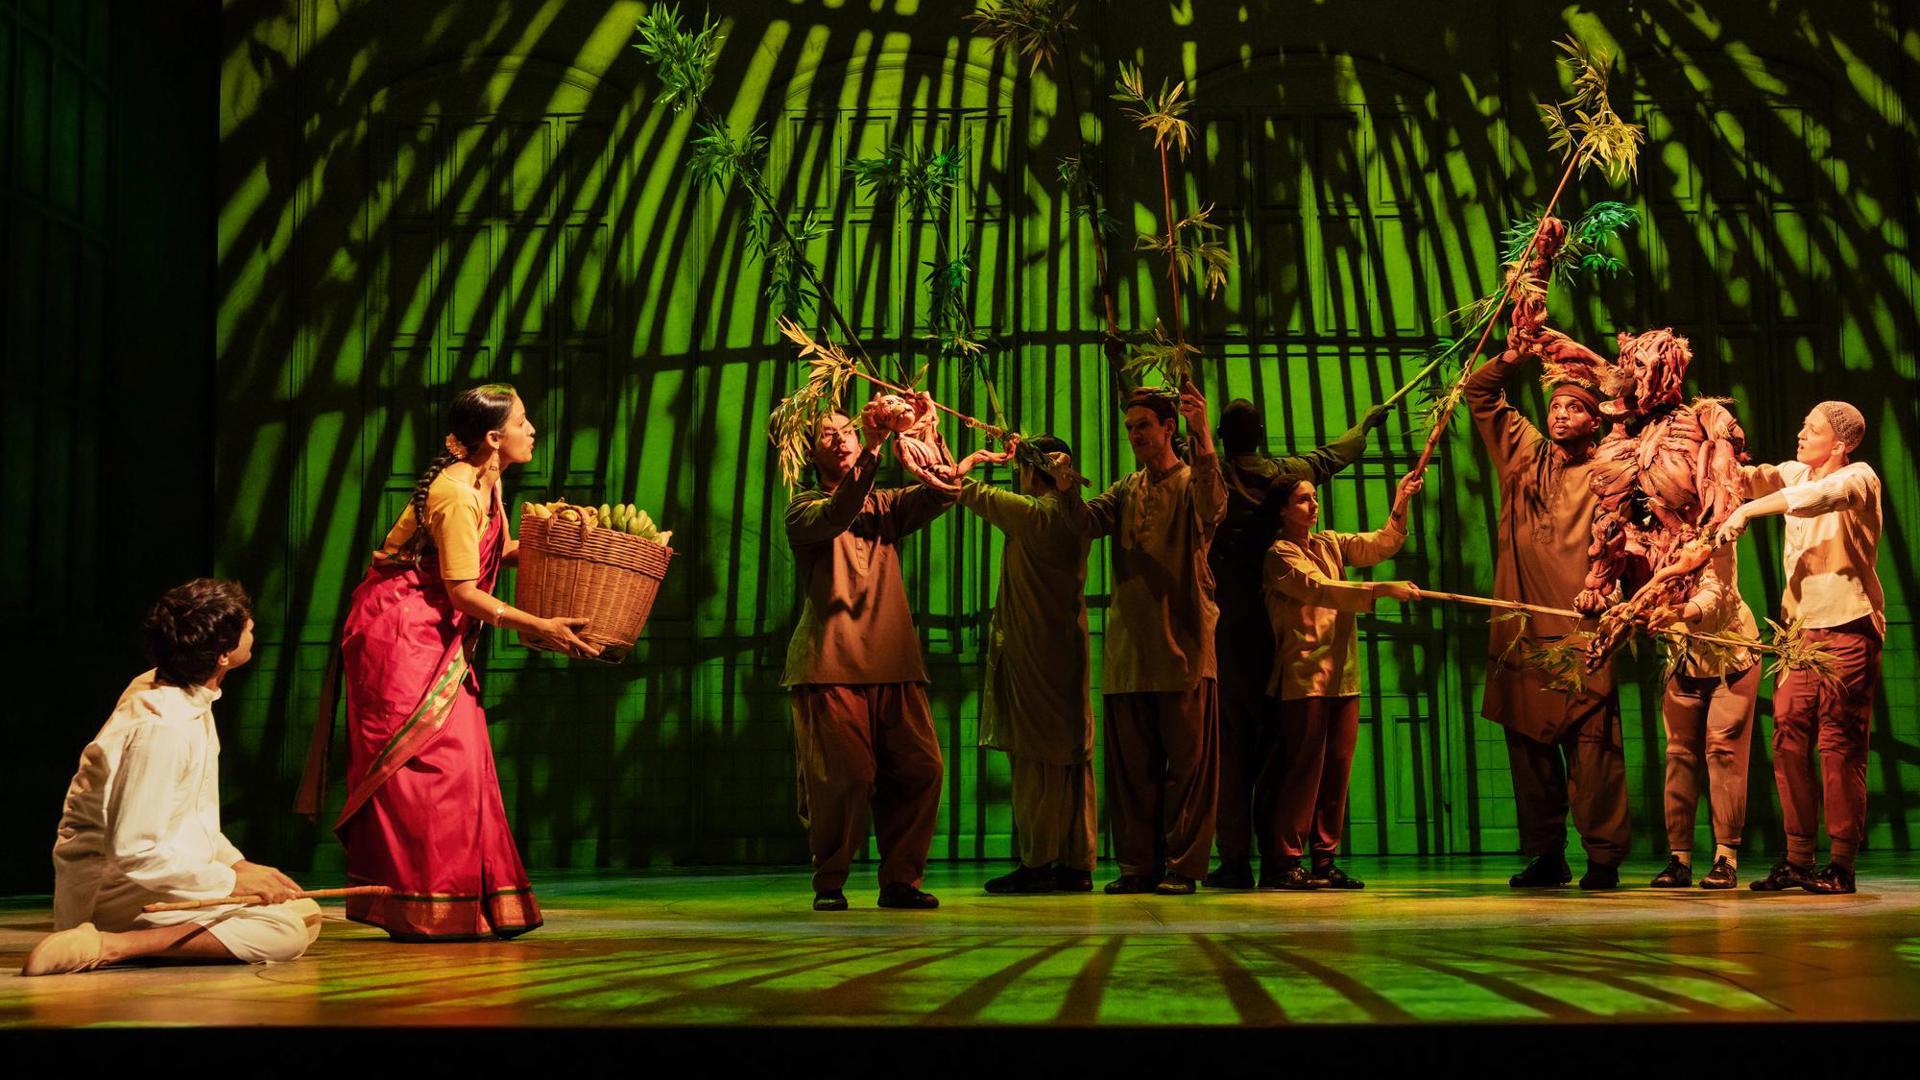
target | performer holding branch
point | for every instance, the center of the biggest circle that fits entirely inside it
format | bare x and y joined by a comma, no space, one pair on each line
863,734
1162,720
141,824
1257,486
1316,679
1564,749
1708,712
1037,707
1832,506
423,812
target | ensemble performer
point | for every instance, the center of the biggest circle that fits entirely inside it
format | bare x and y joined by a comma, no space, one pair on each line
864,739
423,813
1832,506
1708,712
1038,708
1159,674
141,823
1316,680
1257,484
1564,749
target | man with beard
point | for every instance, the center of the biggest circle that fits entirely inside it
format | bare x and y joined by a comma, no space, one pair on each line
1564,749
1257,485
863,734
1161,708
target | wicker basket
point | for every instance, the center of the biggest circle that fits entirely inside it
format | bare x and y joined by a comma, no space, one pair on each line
568,569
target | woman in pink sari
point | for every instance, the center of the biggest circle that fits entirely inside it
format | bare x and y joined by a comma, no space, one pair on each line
423,812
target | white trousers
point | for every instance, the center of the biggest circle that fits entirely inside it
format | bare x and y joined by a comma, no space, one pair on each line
267,934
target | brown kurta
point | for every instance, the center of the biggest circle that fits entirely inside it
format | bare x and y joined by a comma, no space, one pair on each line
863,735
1038,704
1312,609
1159,634
1546,523
854,626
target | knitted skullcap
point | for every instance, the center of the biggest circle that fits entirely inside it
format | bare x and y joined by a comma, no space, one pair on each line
1848,425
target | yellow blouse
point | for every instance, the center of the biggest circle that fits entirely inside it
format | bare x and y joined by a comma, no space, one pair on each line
456,514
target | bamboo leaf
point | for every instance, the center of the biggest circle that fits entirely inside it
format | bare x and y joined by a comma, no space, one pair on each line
683,60
1031,29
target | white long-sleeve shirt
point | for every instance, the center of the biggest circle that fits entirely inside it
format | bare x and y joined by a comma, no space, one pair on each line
1832,541
142,817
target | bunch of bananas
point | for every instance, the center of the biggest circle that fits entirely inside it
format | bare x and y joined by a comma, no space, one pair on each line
620,517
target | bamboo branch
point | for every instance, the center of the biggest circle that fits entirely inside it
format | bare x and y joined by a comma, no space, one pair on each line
1513,280
251,900
756,186
1490,602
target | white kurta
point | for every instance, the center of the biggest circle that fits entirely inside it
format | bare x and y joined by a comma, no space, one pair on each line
141,825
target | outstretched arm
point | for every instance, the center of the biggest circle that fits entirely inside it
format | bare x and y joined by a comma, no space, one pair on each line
1323,463
1850,488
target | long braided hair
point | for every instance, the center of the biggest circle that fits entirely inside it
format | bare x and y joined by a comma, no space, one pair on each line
475,412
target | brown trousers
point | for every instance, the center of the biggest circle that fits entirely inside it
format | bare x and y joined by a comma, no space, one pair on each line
1840,709
1309,807
1584,770
1163,777
1053,813
1249,766
1708,718
867,746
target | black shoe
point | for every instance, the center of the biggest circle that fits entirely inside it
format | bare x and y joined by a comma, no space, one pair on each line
1330,876
1231,874
1175,885
1783,876
1024,879
830,901
1722,876
1292,877
1600,876
906,897
1544,872
1832,881
1069,880
1677,875
1130,883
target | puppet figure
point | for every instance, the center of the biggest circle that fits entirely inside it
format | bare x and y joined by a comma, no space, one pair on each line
1667,475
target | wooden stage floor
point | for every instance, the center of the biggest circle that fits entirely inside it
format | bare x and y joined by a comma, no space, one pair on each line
1430,941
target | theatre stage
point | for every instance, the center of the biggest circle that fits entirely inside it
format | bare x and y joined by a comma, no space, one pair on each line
1429,942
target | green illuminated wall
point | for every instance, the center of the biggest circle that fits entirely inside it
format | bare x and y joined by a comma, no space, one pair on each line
414,197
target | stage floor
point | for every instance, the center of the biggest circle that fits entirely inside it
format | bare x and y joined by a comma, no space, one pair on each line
1429,941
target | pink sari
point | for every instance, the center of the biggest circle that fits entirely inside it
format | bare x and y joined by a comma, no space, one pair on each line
423,812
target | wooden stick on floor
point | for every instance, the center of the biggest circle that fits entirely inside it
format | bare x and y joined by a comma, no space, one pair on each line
249,900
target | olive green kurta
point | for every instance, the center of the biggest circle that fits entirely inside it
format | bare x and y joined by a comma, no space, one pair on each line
1160,622
1038,668
1546,523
